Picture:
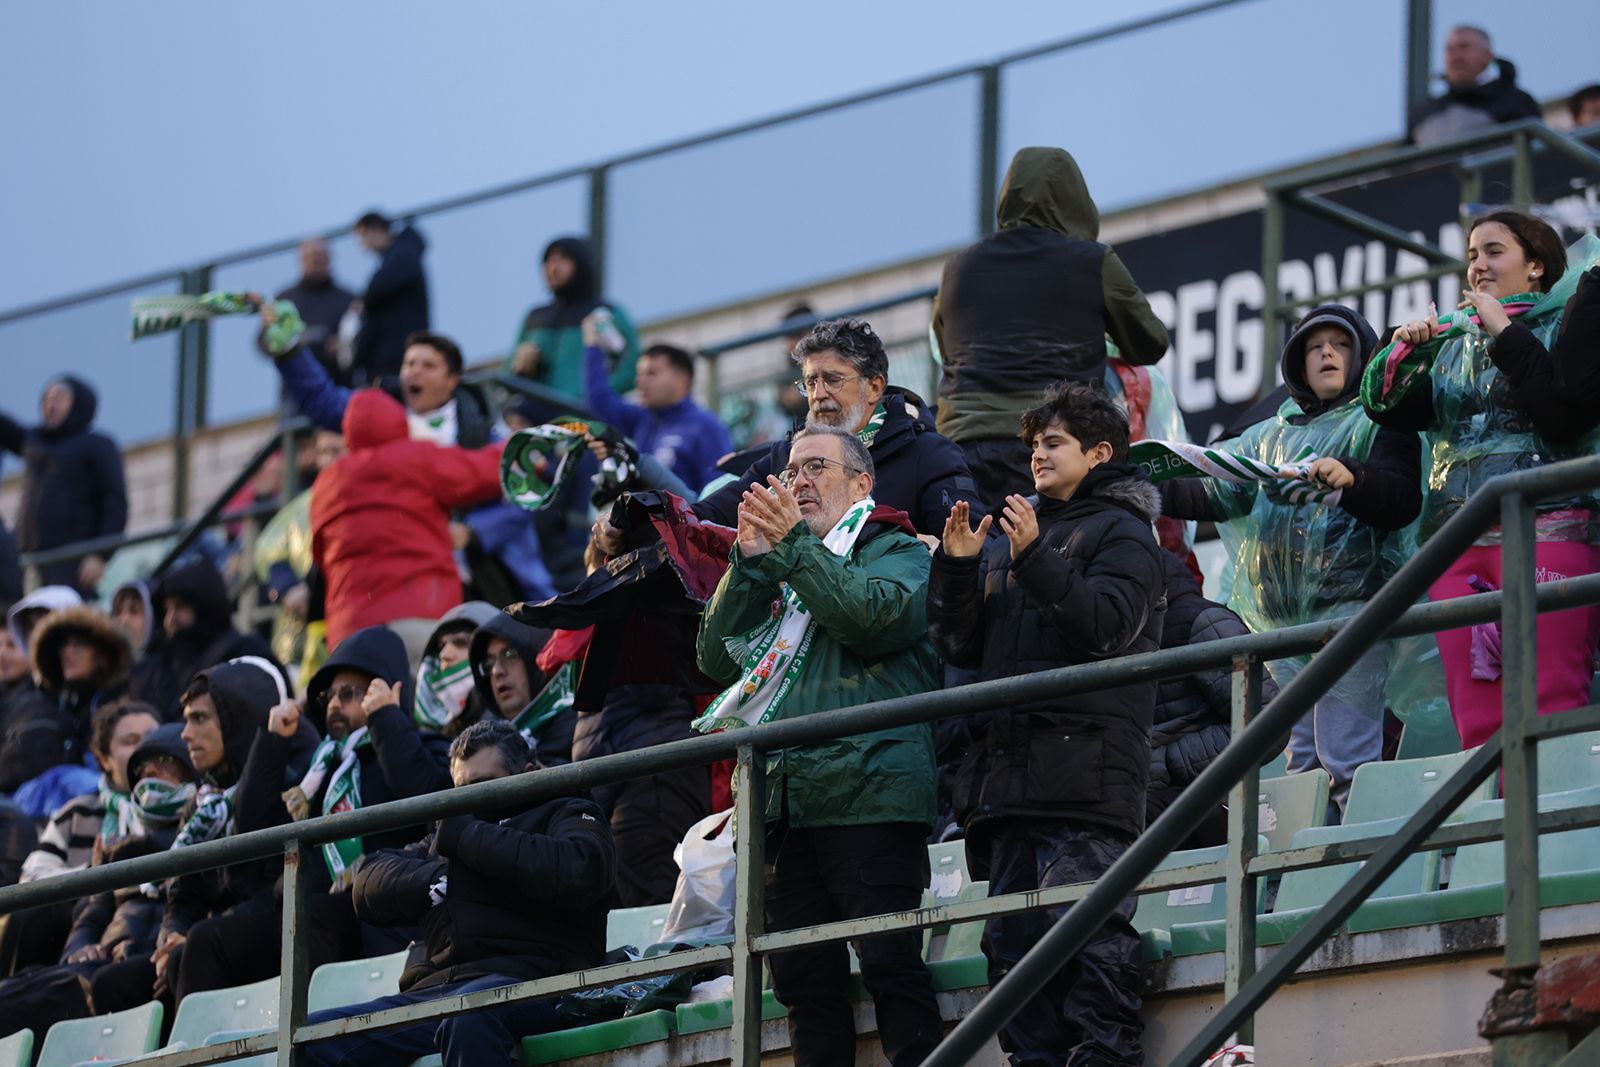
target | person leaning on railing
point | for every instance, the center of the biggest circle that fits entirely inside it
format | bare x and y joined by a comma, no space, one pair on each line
1518,389
503,896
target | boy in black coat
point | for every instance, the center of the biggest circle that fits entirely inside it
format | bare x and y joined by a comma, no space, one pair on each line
501,896
1053,792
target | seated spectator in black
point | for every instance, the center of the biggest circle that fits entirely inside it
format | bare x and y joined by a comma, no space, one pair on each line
225,709
72,489
503,896
29,612
395,303
81,661
1193,713
10,568
322,303
1584,106
77,832
446,689
16,673
1480,91
549,343
1053,792
1026,307
196,616
511,686
666,423
365,750
18,836
116,924
845,372
134,613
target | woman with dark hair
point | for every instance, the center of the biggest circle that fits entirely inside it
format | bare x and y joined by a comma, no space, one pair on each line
1511,382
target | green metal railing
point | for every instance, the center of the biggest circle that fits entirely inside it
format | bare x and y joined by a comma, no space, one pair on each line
1508,500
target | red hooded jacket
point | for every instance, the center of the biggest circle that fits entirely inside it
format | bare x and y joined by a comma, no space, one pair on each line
380,518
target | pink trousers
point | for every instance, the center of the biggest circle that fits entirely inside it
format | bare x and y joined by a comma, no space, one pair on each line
1566,639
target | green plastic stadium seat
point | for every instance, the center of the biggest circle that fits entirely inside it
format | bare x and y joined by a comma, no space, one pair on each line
959,962
716,1014
1571,762
1430,736
947,864
1277,767
247,1007
115,1036
639,927
1385,790
333,985
1161,915
1292,802
645,1029
17,1050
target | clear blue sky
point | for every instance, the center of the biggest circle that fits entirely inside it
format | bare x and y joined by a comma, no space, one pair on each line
138,137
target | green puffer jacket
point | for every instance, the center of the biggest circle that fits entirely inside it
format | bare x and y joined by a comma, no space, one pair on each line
871,644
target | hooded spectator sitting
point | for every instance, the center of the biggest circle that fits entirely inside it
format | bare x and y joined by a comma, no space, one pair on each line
115,924
225,708
395,303
73,489
81,661
503,896
134,613
549,345
380,522
667,423
446,690
1480,90
27,613
505,669
197,633
1028,305
844,372
366,751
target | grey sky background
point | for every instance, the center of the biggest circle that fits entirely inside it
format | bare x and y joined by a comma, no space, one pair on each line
140,137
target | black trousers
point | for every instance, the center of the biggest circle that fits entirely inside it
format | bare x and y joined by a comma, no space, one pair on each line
34,937
827,874
1088,1014
1212,831
1000,466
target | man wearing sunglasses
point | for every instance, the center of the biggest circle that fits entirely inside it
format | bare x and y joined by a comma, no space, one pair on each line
825,601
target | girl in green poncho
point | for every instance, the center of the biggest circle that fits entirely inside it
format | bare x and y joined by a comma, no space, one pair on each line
1514,388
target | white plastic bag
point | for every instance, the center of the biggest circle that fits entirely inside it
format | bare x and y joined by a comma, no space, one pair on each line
702,903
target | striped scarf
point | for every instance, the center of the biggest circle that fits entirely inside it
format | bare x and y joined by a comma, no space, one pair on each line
1397,370
1164,460
162,314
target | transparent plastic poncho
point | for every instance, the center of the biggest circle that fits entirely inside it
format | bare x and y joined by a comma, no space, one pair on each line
1480,433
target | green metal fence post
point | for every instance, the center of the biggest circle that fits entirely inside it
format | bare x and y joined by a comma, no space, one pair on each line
1521,170
1419,44
184,407
597,223
295,972
1519,683
1272,296
749,919
1239,942
988,149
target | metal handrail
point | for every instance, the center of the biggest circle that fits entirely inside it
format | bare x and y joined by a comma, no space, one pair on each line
1389,613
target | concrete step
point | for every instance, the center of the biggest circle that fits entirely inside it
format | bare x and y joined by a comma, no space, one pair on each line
1471,1057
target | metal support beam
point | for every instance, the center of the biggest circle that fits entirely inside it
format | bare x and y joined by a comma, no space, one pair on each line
1366,224
749,917
597,223
988,149
1419,48
1521,171
1272,290
1239,939
295,972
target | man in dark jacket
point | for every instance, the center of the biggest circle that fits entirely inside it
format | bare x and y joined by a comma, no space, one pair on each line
395,303
1480,90
73,487
845,372
549,343
1194,713
365,751
322,303
1053,792
224,709
191,602
504,657
824,601
501,896
1027,306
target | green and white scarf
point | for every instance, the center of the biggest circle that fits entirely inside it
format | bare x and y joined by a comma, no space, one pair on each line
869,432
442,693
336,763
120,819
556,696
1164,460
774,653
212,818
162,314
160,802
554,448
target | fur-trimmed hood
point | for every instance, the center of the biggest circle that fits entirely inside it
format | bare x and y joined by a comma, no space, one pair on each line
53,631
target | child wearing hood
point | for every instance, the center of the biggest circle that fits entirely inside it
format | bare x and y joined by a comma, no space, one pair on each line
1322,559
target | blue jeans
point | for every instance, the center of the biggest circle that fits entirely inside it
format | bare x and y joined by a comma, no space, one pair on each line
1344,729
480,1037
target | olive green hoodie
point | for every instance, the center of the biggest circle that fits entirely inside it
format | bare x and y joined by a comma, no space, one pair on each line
1033,303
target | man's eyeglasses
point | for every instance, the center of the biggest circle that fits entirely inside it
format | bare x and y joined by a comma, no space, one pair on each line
828,383
812,469
506,658
346,694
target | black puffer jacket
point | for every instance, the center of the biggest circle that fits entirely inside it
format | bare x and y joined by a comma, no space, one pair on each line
527,895
1091,587
1193,712
175,659
73,489
554,740
919,471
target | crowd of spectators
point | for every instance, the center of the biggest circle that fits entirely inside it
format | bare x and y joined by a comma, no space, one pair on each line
874,546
